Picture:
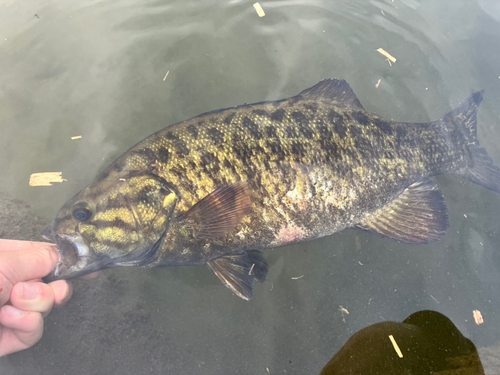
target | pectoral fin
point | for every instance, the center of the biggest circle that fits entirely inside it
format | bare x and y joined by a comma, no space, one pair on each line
220,211
417,216
237,271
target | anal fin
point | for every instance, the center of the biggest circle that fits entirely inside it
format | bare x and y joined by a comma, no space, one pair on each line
238,271
417,216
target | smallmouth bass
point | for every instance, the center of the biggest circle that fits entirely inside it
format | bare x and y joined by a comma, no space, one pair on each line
221,186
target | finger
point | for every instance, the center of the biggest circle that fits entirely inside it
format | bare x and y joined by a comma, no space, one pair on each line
63,291
6,245
26,264
21,329
92,275
30,296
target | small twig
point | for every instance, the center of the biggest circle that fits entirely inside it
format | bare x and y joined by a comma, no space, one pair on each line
259,10
396,347
387,54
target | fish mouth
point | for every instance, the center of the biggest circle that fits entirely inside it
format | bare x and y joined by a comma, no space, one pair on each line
76,257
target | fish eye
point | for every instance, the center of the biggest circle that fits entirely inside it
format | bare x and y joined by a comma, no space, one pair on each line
82,213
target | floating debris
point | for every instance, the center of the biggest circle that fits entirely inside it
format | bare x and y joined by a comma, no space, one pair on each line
45,179
298,277
478,317
396,347
259,10
251,269
434,298
388,55
343,311
166,75
378,83
76,137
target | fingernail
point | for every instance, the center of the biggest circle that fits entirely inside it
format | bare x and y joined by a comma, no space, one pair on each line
28,291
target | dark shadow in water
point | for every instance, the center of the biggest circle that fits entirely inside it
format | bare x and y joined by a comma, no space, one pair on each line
426,342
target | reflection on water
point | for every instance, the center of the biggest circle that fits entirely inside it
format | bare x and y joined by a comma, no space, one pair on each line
96,69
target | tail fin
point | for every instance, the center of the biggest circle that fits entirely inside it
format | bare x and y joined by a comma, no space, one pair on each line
480,169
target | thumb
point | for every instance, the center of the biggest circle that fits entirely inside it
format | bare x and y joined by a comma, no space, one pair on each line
35,260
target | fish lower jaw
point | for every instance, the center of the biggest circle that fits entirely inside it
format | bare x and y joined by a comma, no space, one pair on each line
63,271
75,256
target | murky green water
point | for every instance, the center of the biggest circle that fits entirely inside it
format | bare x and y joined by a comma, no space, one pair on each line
96,69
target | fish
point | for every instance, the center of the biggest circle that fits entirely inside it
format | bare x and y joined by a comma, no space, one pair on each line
222,186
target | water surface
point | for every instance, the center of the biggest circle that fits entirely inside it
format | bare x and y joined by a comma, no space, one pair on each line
97,69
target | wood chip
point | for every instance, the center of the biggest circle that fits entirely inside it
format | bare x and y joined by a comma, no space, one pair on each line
387,54
166,75
259,10
378,83
267,369
343,311
76,137
45,179
396,347
478,317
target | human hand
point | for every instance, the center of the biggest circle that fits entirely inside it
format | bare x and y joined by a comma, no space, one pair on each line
24,299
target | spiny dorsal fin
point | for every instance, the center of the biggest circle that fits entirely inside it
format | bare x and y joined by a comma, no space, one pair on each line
237,271
417,216
335,91
220,211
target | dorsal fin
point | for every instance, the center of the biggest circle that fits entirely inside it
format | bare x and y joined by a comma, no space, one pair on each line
335,91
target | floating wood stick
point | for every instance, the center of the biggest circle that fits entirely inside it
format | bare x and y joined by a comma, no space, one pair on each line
387,54
76,137
396,346
259,10
45,179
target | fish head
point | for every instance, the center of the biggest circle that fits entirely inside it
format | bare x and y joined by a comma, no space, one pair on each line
118,220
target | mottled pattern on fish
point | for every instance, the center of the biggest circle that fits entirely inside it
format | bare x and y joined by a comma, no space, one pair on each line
315,164
314,168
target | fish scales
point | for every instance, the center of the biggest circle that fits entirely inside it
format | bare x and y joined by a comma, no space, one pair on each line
311,165
294,174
